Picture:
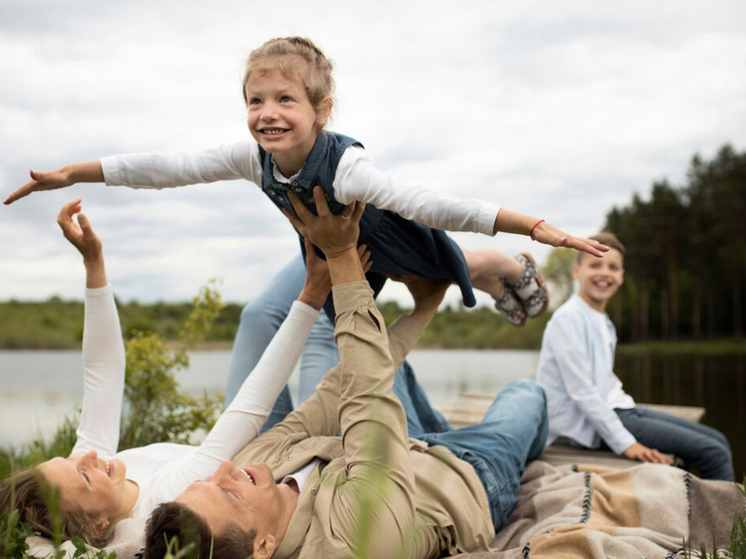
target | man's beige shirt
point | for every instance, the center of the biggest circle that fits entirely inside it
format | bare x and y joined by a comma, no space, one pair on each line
376,493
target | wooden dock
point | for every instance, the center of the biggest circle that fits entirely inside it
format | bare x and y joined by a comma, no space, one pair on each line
469,408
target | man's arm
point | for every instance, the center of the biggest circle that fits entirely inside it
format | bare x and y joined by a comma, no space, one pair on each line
374,507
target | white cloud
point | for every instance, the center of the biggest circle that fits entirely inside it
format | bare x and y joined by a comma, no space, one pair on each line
560,110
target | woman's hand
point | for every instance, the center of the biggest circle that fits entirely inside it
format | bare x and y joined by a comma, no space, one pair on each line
318,281
83,238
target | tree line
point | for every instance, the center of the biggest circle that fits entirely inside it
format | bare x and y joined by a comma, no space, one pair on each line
685,260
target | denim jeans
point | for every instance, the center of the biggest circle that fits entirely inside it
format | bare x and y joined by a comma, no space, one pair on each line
514,431
260,320
698,445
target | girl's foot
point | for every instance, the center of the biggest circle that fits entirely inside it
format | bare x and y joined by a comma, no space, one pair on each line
510,306
531,288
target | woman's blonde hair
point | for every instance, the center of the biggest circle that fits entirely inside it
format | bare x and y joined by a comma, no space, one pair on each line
30,493
297,57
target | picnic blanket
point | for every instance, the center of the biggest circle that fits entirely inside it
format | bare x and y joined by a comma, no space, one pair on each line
647,511
580,511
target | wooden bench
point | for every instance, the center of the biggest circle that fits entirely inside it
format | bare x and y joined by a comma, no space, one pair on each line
469,408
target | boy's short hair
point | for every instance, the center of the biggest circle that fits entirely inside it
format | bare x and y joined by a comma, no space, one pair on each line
607,238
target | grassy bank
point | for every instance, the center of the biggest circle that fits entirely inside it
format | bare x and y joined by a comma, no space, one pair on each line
58,324
685,347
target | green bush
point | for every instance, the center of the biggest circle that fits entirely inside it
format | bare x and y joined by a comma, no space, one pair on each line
155,410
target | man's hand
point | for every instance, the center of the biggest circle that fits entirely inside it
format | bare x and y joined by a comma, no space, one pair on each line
333,234
89,171
427,295
640,452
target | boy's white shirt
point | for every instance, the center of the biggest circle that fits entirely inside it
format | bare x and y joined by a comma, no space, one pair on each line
163,470
356,179
576,371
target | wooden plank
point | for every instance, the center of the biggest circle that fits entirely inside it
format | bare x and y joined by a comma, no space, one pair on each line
469,408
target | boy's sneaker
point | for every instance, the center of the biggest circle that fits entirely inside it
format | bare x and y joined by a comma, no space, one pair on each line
531,288
510,306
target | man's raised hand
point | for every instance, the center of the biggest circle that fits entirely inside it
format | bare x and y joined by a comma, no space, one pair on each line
333,234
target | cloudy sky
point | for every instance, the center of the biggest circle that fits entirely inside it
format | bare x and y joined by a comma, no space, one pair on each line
558,109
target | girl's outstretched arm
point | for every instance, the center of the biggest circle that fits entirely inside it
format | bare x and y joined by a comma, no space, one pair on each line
541,231
88,171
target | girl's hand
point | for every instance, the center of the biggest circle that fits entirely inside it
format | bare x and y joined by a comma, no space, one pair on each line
42,181
318,281
89,171
80,236
550,235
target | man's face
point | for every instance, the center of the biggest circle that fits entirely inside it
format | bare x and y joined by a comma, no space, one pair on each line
599,278
247,497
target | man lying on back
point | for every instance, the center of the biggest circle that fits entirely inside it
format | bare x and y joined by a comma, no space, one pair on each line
303,491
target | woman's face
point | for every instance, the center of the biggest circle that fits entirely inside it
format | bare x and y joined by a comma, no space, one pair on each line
89,483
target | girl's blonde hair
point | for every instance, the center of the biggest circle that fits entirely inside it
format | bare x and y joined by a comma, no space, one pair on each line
297,57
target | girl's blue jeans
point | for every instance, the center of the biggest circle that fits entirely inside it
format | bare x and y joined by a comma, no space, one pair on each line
513,431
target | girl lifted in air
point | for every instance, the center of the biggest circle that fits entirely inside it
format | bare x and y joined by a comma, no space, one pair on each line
288,88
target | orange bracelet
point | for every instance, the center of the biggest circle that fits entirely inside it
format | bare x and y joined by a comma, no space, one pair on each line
531,233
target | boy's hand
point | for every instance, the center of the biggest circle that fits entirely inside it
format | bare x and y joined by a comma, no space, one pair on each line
333,234
640,452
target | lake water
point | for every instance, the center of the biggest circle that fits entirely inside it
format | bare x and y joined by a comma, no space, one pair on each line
37,388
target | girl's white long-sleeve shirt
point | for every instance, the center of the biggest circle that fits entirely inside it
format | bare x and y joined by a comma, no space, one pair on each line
356,179
163,470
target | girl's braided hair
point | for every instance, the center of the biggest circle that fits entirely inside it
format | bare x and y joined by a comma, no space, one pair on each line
297,57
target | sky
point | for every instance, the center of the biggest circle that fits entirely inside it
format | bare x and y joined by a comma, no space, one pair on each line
558,109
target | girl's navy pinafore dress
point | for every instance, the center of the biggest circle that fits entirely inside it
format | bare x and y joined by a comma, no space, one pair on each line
398,246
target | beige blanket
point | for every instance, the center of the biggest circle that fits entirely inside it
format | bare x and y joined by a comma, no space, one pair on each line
584,511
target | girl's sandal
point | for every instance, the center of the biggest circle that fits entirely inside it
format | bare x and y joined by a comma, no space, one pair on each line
531,288
510,306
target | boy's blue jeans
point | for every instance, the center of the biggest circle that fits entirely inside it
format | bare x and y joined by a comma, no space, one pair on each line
513,431
701,446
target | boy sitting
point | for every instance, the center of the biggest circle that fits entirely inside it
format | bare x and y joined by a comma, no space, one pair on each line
586,402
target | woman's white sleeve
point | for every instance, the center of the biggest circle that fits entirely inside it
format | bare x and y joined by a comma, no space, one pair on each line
103,375
248,411
358,179
168,170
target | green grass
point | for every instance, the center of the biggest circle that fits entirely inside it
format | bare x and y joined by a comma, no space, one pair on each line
685,347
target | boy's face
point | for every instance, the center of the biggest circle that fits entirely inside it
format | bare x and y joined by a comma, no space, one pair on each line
599,278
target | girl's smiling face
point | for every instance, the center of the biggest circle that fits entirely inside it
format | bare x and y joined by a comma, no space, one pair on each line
282,119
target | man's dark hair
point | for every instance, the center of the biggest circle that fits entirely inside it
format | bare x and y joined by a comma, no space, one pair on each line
173,522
